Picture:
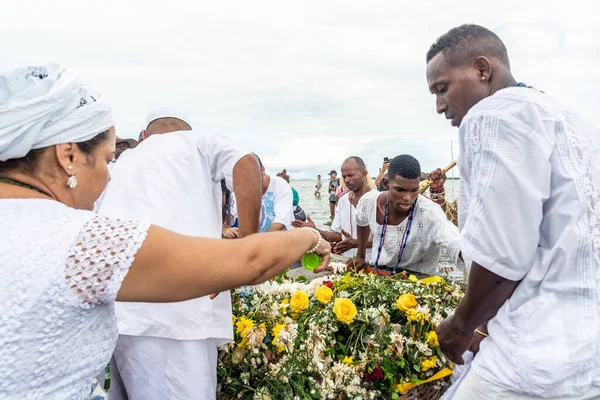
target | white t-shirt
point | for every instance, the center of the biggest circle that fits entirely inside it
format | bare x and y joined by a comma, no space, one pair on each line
529,211
430,233
277,205
345,219
173,180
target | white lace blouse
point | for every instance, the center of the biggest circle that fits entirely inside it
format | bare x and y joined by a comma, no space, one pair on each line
61,270
430,234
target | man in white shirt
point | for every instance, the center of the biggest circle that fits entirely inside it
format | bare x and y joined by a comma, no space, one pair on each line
276,211
408,231
173,179
343,229
529,219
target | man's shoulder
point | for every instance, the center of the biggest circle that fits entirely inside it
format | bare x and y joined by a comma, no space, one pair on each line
519,104
369,198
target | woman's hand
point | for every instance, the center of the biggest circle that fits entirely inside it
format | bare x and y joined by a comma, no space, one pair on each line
230,233
323,250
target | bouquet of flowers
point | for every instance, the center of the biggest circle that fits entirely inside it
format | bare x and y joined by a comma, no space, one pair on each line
345,336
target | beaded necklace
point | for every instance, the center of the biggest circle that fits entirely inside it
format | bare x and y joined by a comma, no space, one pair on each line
26,186
521,84
405,235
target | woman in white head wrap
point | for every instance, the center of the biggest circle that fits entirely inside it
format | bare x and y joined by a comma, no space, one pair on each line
63,266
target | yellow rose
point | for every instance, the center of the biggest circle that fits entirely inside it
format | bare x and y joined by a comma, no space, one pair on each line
347,360
414,315
243,325
323,294
276,329
413,278
431,279
406,302
299,302
432,338
345,310
427,364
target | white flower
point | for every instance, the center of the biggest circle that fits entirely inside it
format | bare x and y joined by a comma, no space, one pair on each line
423,348
338,267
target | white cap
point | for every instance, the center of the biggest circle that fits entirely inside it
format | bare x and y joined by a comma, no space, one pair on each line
166,112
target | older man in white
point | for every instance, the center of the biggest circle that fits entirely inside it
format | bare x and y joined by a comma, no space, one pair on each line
172,179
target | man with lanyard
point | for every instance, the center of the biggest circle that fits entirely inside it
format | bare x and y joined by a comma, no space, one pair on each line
173,179
334,182
343,229
529,221
409,231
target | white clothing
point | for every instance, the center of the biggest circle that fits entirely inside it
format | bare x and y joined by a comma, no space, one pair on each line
148,368
174,180
430,233
345,219
61,271
530,211
277,205
472,387
166,112
44,106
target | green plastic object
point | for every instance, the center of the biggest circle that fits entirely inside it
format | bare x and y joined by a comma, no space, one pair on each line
311,261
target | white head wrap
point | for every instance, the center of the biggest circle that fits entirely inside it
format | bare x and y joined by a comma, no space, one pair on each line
166,112
44,106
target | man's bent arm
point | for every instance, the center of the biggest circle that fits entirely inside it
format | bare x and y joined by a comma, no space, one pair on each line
486,293
362,236
247,186
276,226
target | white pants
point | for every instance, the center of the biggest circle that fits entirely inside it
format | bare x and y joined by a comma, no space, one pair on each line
151,368
473,387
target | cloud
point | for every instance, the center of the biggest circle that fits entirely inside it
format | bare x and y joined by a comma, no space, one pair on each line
303,84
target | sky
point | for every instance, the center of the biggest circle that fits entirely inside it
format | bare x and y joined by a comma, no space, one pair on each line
303,84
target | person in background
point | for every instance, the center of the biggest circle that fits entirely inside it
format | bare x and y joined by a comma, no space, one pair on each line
341,190
334,182
123,145
299,214
379,181
318,187
229,232
529,217
174,180
343,231
276,212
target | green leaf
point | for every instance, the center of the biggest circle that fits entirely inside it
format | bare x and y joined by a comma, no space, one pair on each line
395,396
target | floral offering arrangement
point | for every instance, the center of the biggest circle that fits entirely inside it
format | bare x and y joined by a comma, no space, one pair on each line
344,336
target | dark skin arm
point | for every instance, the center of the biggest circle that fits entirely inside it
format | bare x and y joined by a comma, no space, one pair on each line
486,293
247,186
349,243
363,234
438,177
276,226
333,237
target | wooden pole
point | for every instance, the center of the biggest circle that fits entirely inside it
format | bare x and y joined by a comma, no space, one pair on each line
424,185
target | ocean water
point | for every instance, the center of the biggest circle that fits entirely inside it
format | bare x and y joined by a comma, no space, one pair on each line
318,209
